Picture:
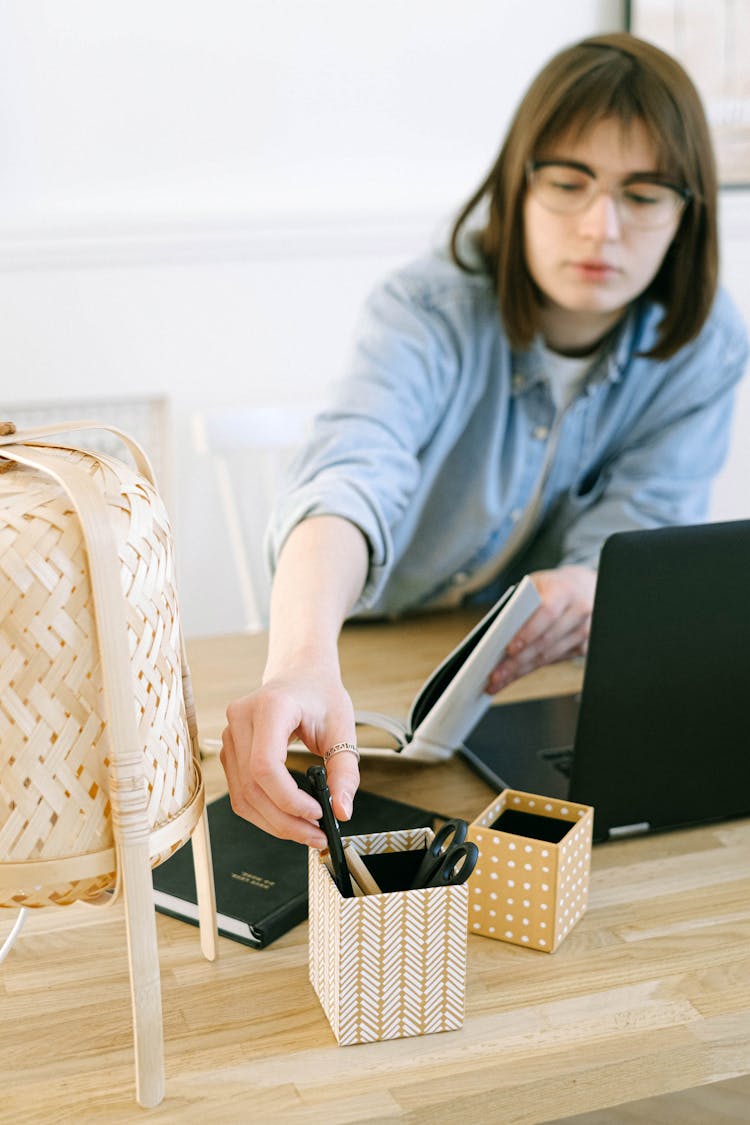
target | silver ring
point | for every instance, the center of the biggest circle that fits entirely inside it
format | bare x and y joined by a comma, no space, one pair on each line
340,748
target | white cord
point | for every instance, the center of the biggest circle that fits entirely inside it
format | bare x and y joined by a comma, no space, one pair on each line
209,746
11,938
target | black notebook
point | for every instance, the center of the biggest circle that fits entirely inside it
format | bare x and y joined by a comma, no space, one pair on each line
261,881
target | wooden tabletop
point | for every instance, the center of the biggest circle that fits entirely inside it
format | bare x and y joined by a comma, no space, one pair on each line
650,993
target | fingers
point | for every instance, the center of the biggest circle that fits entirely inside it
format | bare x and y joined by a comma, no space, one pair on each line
261,730
254,749
261,788
549,651
343,779
558,630
251,801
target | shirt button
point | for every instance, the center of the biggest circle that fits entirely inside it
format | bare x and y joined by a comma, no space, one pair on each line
518,382
516,514
461,578
541,433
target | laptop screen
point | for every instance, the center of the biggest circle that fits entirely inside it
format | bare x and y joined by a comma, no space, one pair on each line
663,736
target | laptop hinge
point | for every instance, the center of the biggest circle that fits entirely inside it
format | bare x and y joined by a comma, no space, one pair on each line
630,829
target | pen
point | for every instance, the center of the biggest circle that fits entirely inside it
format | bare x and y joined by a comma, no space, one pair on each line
325,855
316,775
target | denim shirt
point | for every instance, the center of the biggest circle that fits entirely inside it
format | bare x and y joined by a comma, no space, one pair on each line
435,441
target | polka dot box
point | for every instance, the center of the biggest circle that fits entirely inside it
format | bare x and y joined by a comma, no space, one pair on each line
527,889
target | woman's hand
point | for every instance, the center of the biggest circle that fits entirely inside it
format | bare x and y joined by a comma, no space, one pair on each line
558,630
312,706
321,570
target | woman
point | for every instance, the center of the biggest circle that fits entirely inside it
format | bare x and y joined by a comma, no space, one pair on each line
567,370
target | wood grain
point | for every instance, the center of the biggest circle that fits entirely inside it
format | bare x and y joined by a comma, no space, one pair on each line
649,995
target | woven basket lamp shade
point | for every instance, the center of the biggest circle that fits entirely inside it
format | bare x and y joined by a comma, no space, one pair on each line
100,776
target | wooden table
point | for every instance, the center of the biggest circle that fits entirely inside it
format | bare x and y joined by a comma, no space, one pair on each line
649,994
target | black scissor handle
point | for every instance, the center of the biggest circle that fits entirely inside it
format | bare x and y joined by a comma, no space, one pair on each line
456,866
452,832
449,835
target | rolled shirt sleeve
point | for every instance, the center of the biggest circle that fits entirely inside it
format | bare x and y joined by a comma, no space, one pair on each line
376,445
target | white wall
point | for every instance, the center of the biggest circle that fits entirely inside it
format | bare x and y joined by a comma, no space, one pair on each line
195,198
731,498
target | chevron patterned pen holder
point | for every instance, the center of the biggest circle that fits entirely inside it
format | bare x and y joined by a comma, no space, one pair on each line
391,965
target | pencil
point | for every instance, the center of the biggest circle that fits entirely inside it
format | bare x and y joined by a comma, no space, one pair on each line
359,872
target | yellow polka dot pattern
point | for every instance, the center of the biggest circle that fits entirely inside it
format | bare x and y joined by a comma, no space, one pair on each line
527,891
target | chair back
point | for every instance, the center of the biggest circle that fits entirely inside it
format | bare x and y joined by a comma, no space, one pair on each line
249,448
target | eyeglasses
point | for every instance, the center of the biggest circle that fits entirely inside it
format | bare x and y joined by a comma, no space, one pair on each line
567,189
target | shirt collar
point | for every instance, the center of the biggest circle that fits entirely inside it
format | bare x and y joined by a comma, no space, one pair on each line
529,367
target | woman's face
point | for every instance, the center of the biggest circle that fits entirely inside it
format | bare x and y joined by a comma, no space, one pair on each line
591,264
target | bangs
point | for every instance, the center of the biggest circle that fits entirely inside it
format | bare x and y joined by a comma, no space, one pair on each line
621,90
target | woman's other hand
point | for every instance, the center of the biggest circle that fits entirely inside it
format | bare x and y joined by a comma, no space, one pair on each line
558,630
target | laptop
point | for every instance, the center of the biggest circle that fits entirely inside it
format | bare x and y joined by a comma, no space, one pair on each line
659,737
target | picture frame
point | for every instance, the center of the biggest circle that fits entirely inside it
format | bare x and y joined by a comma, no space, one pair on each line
711,38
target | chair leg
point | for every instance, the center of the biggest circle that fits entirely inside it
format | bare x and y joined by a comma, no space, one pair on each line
204,882
145,983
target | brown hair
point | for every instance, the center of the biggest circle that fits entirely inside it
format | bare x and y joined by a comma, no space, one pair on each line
606,76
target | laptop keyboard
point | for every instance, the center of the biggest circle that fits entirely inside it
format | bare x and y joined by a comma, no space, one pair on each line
561,760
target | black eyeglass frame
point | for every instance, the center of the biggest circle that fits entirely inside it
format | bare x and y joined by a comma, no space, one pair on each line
684,193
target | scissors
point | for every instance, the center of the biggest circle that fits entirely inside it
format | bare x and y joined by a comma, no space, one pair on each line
450,858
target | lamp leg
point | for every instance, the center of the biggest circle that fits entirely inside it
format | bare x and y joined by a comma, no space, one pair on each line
204,882
145,983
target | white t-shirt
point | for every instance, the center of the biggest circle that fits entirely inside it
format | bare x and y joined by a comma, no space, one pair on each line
567,374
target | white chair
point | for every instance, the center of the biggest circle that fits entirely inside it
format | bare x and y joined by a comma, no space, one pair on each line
249,448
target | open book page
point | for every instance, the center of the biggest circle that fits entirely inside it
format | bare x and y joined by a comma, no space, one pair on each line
452,700
396,728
